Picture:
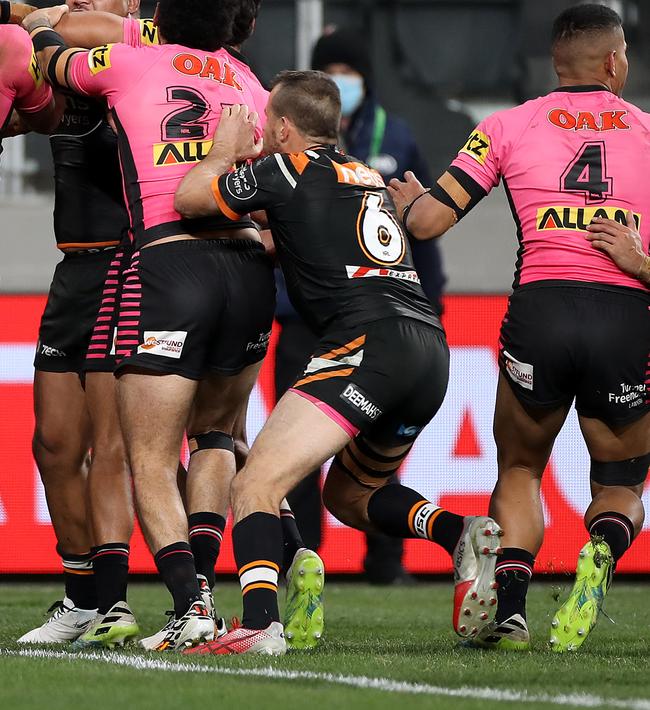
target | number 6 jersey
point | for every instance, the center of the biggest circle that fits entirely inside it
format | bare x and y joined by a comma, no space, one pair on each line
578,153
343,252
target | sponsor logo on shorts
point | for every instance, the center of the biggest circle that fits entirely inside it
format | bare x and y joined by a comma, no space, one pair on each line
409,431
577,218
261,345
360,401
629,396
519,372
587,121
163,342
48,350
477,146
238,185
100,59
166,154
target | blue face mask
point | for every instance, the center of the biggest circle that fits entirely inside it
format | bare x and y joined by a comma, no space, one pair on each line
352,92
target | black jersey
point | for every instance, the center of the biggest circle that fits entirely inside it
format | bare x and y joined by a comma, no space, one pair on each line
88,201
343,252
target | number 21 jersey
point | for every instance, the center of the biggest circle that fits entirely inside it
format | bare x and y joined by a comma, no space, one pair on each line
578,153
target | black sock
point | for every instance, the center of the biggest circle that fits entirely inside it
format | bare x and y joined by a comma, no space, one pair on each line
291,537
616,529
257,540
176,566
79,580
402,512
111,566
206,534
513,573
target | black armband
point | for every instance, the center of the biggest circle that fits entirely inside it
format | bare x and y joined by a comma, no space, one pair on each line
48,38
472,188
5,12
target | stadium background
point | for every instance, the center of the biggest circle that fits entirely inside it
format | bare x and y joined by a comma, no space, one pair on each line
442,65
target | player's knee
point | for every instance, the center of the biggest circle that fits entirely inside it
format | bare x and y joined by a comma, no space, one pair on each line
345,498
630,473
53,445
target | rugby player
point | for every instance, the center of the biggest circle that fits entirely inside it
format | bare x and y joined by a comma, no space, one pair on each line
90,222
174,309
207,512
350,275
577,325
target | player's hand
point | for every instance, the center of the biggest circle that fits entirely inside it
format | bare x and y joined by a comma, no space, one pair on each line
47,17
622,242
403,193
19,12
235,134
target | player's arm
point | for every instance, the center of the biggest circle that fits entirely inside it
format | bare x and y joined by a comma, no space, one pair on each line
622,242
234,141
13,13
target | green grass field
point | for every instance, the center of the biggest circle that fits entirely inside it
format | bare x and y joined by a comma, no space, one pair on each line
400,637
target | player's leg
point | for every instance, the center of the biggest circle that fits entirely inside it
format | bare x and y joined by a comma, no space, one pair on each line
112,514
620,456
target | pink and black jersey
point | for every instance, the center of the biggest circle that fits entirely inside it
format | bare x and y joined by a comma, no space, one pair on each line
21,82
165,102
578,153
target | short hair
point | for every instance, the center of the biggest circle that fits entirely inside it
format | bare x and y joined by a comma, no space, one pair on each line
244,21
582,20
198,24
311,100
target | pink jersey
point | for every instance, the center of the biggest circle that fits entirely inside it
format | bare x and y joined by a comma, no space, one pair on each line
565,158
21,82
165,102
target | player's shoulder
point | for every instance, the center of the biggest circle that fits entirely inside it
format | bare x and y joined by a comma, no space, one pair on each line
633,110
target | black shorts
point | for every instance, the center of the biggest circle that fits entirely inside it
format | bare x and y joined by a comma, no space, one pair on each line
196,306
101,353
561,341
385,379
72,305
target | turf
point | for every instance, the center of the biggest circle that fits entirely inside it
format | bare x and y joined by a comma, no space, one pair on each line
400,633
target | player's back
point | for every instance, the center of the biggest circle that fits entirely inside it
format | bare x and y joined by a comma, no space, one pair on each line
166,102
21,81
578,153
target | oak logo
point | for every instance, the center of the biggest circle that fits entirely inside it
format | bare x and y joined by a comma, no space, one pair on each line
587,121
166,154
577,218
478,146
206,68
100,59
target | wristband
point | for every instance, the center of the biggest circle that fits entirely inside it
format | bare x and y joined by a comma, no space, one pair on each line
5,12
407,209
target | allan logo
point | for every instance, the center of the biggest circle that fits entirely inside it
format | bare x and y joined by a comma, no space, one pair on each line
587,121
165,154
206,68
577,218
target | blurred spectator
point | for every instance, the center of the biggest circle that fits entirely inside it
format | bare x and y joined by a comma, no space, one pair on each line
387,144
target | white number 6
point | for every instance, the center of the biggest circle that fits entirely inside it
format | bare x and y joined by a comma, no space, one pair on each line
380,236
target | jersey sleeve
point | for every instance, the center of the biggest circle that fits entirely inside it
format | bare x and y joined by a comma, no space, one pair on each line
32,94
264,185
140,33
481,158
103,70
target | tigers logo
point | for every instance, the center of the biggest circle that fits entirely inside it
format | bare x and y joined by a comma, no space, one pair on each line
477,146
100,59
166,154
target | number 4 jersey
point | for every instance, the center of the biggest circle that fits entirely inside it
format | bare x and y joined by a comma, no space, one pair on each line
578,153
343,252
165,102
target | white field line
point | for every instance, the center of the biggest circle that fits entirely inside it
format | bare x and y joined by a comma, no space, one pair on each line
386,685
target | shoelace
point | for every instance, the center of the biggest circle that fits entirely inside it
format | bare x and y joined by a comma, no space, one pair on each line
59,608
235,623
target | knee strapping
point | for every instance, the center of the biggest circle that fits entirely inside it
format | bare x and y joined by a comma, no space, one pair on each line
211,440
367,467
631,472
